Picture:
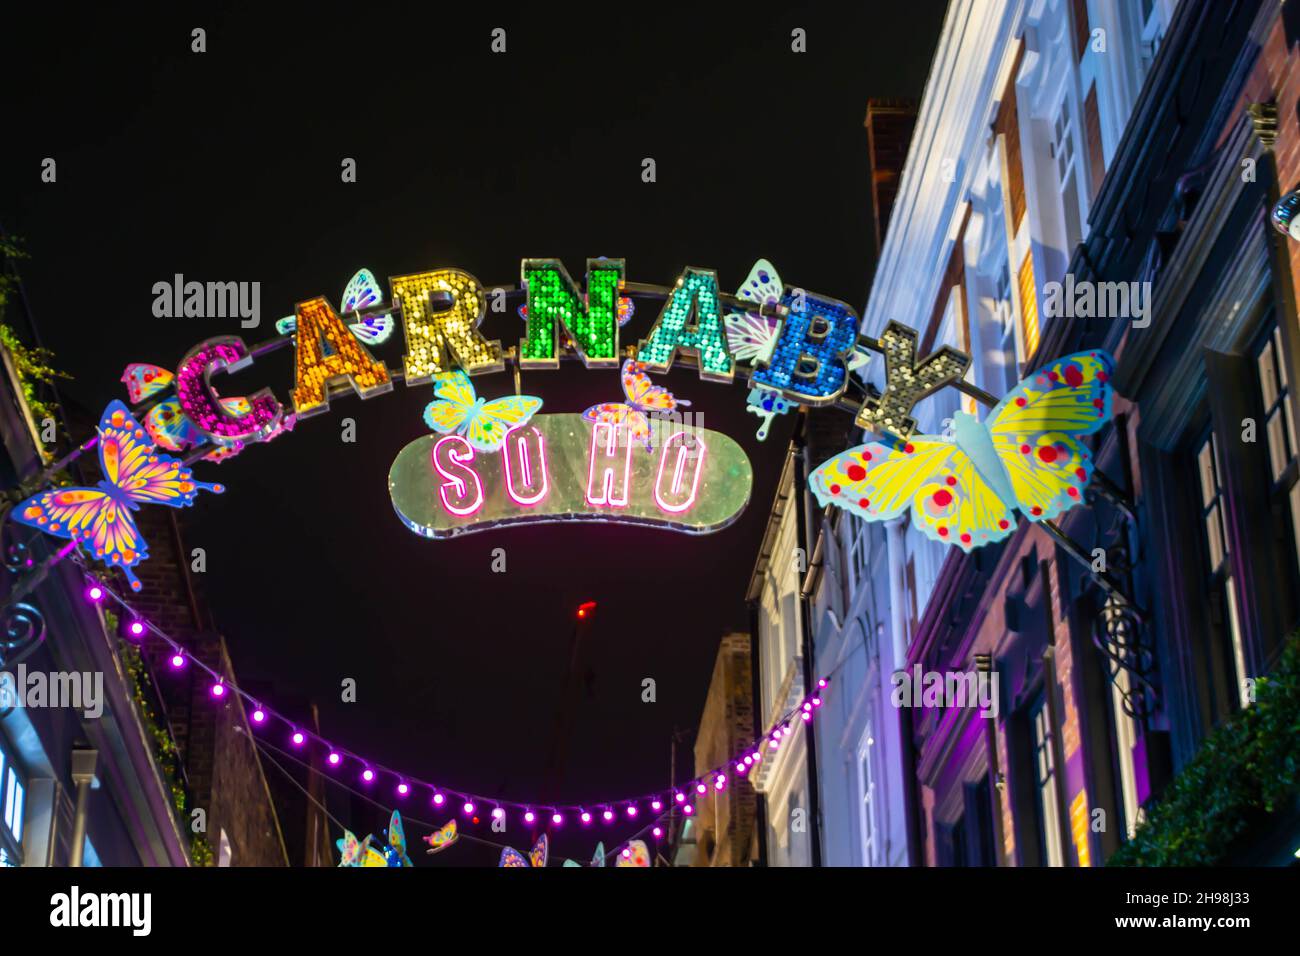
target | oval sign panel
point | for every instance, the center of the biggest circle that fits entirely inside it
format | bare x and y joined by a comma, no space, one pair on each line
563,468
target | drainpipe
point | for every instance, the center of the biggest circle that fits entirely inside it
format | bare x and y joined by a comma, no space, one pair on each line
755,678
895,549
83,774
804,536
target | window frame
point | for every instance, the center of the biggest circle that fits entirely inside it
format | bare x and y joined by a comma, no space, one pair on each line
11,777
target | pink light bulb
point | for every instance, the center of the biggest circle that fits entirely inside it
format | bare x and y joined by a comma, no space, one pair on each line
557,819
631,810
701,788
608,815
178,661
137,628
756,755
498,813
438,799
468,808
334,759
403,789
585,817
627,854
656,805
817,701
721,784
529,816
218,689
688,809
807,706
806,715
95,594
367,775
679,797
298,738
749,758
822,682
658,832
259,715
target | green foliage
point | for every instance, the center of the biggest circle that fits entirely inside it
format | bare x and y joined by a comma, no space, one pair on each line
201,850
33,365
164,748
1246,769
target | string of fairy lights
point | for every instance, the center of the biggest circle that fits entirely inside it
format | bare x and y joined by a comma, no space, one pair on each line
341,764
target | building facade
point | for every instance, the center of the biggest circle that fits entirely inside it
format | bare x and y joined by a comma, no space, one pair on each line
781,777
1129,151
143,768
722,830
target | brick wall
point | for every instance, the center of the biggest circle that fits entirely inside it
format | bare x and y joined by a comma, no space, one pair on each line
726,820
889,126
224,775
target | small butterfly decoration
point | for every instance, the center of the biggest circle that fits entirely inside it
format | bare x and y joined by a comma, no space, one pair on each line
362,292
536,856
395,852
457,409
354,852
636,853
1027,455
766,403
597,858
171,428
643,398
751,336
99,519
441,838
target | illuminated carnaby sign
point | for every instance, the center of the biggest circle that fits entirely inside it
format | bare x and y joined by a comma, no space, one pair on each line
565,468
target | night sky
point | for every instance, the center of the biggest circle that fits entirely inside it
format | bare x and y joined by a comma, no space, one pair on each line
226,166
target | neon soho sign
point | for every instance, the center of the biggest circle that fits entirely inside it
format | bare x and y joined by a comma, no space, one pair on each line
563,468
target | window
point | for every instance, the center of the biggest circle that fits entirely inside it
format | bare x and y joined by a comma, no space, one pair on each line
1096,149
1028,306
1005,314
1063,149
1279,425
1063,145
867,800
13,790
1152,31
1079,14
857,556
1221,588
1049,825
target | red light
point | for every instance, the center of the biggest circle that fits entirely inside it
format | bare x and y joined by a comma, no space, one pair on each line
587,608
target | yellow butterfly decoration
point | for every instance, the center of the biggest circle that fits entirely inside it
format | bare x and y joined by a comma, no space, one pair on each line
483,423
441,838
1028,455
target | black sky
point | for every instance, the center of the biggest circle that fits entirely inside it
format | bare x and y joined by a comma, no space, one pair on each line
225,166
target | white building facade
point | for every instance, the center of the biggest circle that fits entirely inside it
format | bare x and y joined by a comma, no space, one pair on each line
1024,108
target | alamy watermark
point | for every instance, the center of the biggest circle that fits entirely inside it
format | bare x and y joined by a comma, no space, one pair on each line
918,688
78,690
1098,300
208,300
